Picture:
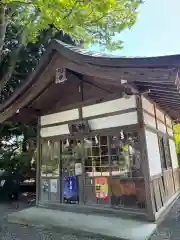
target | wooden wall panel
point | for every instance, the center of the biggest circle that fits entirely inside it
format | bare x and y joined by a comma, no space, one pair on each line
163,187
176,179
157,194
153,197
169,183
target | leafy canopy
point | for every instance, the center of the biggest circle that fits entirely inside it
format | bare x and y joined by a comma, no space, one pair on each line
92,21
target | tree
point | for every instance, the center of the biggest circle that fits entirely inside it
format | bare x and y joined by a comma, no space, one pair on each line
91,21
15,155
27,59
177,139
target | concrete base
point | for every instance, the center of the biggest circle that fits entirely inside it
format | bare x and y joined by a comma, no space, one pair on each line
91,225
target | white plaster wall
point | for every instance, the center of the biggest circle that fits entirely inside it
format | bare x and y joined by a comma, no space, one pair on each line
59,117
149,120
174,159
168,121
170,132
54,131
159,115
153,153
147,105
113,121
110,106
161,126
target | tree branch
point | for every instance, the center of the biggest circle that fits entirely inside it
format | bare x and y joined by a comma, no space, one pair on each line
11,67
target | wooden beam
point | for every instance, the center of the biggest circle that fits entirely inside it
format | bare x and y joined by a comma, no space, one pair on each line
167,101
27,96
165,96
152,85
159,90
165,91
174,106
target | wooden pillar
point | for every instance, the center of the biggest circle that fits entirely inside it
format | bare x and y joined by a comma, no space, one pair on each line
144,161
81,178
38,162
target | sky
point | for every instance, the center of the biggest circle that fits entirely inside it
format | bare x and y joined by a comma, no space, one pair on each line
156,32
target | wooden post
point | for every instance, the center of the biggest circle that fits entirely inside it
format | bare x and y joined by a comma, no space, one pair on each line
61,176
38,161
144,161
82,177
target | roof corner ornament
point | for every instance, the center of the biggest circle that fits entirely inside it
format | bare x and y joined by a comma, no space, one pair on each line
60,75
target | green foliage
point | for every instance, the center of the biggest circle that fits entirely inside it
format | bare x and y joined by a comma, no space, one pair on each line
13,159
177,138
27,59
18,164
93,21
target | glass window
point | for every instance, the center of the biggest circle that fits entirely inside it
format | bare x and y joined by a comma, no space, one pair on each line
50,155
125,155
96,156
44,190
165,152
127,183
162,153
72,153
97,169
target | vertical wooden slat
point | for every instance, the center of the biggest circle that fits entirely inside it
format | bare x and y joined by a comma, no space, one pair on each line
171,176
169,184
166,185
82,177
61,177
157,194
38,163
176,179
110,172
162,190
153,197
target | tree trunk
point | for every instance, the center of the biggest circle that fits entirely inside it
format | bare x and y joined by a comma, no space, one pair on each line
11,67
3,26
24,143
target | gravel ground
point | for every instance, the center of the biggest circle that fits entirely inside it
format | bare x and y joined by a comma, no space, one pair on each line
168,230
18,232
